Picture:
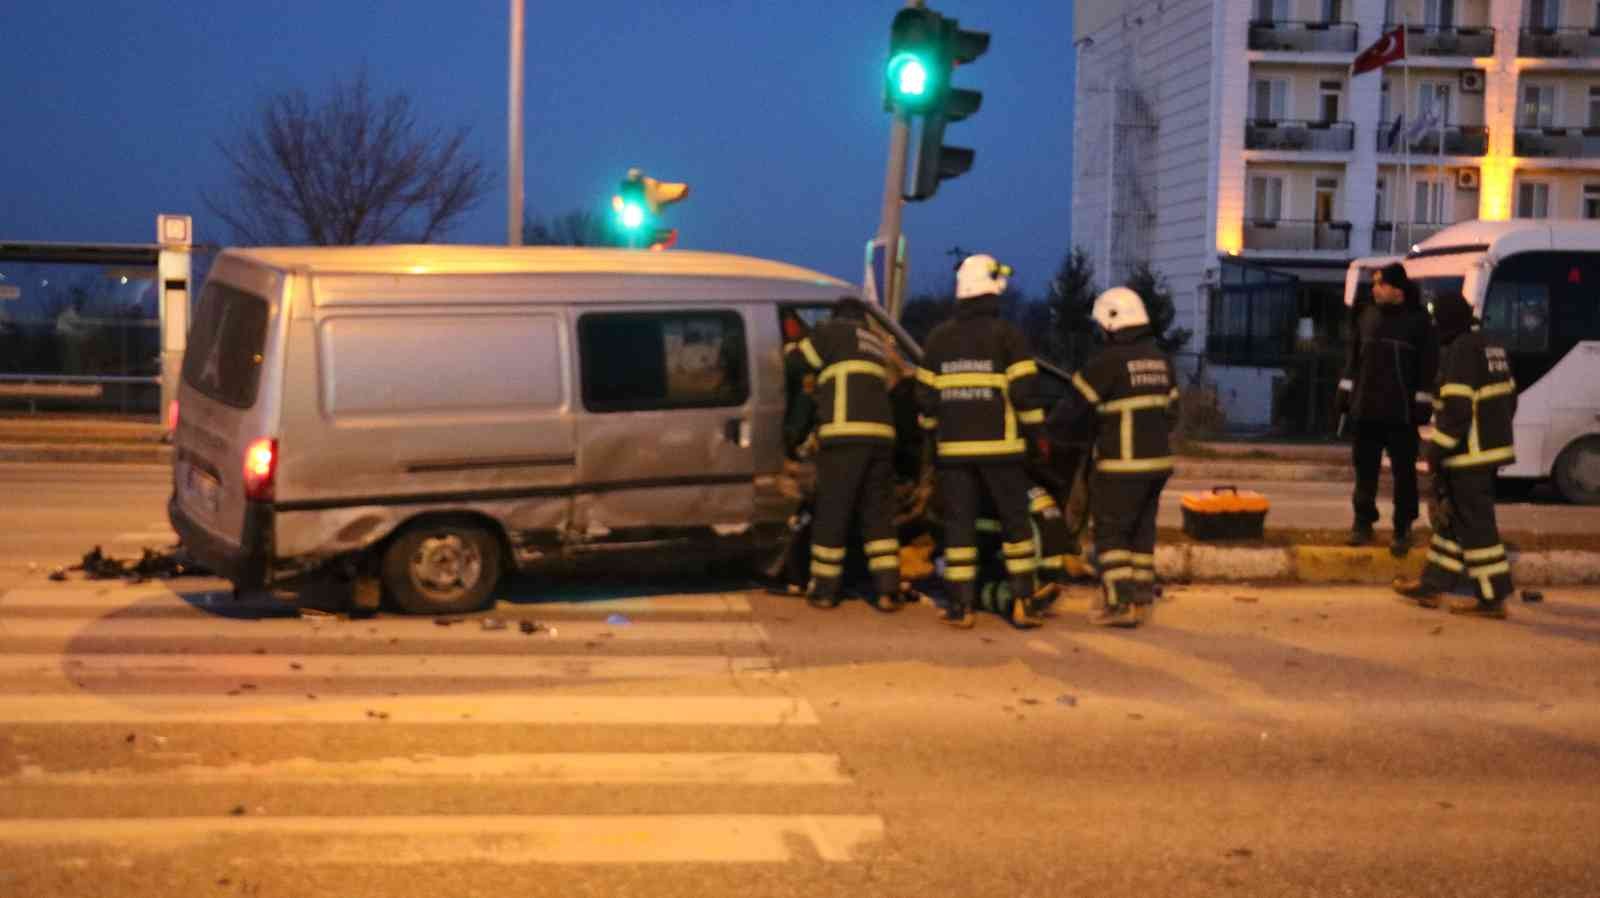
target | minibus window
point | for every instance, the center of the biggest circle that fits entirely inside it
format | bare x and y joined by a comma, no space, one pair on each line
226,344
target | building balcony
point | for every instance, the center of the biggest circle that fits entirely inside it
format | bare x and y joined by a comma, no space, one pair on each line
1313,137
1458,40
1559,43
1296,235
1384,236
1303,37
1558,143
1459,140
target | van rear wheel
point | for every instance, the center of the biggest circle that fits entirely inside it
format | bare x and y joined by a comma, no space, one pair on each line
443,567
1577,472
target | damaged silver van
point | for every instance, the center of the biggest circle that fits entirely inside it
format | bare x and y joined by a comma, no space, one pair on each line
433,416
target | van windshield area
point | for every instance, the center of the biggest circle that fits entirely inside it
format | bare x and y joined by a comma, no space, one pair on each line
224,354
1434,289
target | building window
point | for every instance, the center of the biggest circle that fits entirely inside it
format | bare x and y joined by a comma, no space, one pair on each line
1440,14
1533,200
1429,202
1272,10
1331,93
1332,11
1385,110
1326,196
1591,201
1381,201
1433,102
1594,105
1538,106
637,361
1542,14
1270,98
1266,198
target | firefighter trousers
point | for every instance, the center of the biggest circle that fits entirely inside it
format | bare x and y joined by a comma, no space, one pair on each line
1466,545
961,489
850,478
1124,510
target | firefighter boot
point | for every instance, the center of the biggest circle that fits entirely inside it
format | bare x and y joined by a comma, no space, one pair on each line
959,612
1023,616
1495,610
1360,535
1417,591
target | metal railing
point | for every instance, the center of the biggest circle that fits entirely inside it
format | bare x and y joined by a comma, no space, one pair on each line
1558,142
1295,135
80,363
1304,37
1285,234
1384,235
1459,140
1556,43
1447,40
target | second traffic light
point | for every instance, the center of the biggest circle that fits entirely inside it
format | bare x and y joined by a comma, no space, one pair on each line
638,203
924,50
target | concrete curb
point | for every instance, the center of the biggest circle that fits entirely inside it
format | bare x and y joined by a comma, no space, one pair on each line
1338,564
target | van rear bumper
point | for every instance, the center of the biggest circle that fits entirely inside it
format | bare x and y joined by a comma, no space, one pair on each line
245,565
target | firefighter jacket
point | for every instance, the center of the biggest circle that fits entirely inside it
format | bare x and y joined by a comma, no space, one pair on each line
1390,365
1477,402
852,388
975,389
1131,388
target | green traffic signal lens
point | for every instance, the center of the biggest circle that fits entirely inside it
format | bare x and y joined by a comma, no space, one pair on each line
909,76
632,216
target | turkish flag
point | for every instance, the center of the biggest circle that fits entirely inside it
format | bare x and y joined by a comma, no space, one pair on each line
1389,48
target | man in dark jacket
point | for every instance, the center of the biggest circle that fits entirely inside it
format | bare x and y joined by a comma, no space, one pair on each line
855,461
1386,394
1472,437
975,395
1131,388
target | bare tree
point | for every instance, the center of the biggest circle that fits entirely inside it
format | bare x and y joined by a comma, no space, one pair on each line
579,227
348,168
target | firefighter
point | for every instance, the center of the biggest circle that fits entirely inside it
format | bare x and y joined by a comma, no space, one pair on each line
1386,394
975,397
1472,437
855,457
789,572
1131,388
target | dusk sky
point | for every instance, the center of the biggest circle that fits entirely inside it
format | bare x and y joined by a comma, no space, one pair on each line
771,111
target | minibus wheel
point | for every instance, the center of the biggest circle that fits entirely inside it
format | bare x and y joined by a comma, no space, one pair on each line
442,567
1577,472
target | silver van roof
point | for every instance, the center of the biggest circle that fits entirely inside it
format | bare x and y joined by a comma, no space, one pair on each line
461,259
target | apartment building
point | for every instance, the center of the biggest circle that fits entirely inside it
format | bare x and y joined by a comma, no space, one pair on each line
1225,143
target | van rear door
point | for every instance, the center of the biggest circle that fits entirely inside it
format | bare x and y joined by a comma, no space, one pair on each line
665,438
221,413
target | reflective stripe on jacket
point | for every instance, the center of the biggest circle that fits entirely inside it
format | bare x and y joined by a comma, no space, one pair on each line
1132,389
1472,425
852,395
975,388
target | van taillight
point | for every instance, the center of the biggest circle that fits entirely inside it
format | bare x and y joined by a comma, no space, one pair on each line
260,467
172,416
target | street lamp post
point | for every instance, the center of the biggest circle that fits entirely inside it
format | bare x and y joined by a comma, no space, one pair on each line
514,150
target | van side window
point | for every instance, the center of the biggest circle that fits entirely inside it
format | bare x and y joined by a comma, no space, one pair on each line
640,361
224,354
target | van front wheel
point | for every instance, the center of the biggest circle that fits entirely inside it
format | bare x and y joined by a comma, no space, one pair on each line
442,568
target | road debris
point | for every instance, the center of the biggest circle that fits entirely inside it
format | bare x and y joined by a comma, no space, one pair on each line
528,626
239,810
153,564
377,715
1241,853
1532,596
296,665
447,621
316,614
1436,631
1070,701
1247,600
492,623
617,620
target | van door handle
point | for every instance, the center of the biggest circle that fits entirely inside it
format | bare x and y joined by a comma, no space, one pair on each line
737,432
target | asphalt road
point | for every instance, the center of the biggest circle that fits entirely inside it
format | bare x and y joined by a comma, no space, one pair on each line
666,735
1253,741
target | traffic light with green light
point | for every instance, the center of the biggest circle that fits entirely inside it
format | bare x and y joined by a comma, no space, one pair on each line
924,50
638,204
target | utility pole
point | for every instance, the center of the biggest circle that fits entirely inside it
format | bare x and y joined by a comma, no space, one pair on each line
514,114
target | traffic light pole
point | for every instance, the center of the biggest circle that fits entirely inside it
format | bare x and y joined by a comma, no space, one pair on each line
889,220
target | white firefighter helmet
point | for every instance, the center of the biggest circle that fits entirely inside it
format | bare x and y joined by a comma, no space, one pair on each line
1119,309
981,275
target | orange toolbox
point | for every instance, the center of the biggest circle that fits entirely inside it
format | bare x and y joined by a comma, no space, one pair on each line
1225,512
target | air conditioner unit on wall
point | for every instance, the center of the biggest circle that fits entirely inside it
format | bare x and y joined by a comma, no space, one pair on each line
1472,81
1467,179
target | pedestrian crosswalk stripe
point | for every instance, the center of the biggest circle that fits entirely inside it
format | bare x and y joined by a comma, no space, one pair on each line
410,631
258,668
598,768
495,708
152,538
500,839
